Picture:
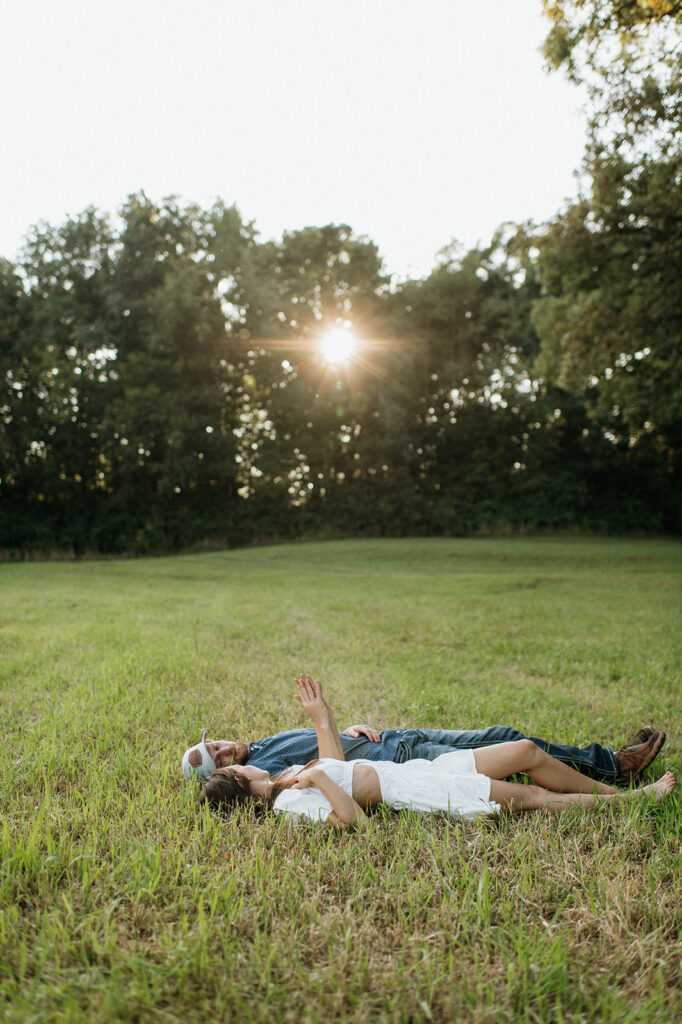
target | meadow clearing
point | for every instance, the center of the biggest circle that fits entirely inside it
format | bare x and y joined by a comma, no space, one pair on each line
122,901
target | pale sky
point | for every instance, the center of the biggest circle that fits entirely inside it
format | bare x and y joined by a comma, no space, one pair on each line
414,121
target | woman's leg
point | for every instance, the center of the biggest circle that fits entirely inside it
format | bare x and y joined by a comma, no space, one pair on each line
505,759
594,760
535,798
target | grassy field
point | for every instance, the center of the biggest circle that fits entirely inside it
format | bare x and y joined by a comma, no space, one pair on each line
121,901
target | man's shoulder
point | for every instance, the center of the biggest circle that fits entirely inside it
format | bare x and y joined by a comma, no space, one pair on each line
297,746
289,734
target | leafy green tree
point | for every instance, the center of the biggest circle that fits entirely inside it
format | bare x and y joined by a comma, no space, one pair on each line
298,408
54,428
614,45
467,341
119,394
18,411
628,53
611,318
171,413
610,268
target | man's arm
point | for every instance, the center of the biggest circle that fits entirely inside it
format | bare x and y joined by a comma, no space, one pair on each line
328,740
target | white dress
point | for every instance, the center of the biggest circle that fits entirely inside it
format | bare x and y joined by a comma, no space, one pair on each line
450,783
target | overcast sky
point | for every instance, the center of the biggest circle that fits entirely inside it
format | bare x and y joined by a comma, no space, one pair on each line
414,121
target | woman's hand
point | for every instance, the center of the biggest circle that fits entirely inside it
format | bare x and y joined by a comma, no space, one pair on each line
309,693
346,813
305,779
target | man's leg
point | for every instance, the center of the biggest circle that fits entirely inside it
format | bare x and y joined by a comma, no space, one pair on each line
594,760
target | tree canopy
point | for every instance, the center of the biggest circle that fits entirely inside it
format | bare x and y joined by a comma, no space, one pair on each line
163,381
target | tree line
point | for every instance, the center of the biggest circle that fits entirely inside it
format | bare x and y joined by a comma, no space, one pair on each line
163,383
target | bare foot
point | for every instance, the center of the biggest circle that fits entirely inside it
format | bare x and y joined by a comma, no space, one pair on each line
662,788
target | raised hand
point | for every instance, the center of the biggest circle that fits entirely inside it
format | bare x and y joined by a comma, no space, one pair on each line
309,693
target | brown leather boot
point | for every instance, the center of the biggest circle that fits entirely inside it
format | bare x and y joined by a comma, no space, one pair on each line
631,761
640,737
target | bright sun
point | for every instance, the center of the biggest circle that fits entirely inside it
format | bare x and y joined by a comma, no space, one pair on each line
338,345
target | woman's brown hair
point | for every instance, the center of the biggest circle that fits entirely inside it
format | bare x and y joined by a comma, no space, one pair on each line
227,788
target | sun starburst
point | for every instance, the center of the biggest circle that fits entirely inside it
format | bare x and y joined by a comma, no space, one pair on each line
337,345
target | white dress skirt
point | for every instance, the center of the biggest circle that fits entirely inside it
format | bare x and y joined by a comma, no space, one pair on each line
450,784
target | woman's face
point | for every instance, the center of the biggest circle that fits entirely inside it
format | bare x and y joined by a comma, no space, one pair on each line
252,773
259,779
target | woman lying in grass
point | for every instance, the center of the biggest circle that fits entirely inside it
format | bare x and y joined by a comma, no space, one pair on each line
465,783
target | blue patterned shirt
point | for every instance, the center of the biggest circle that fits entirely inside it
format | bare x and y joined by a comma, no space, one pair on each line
298,746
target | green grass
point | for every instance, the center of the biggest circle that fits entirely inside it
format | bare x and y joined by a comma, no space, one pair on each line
121,901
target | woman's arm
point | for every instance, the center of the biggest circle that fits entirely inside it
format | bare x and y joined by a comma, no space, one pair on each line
346,813
322,716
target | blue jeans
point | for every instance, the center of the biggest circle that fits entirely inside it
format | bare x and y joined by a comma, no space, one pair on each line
596,761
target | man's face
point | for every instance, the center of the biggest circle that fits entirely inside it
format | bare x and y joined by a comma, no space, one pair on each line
226,752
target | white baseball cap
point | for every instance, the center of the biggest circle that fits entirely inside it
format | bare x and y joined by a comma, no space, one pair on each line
205,769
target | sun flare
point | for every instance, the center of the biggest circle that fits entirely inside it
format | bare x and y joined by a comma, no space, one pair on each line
338,345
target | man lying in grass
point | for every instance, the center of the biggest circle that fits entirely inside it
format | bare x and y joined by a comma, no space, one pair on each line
362,742
464,783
